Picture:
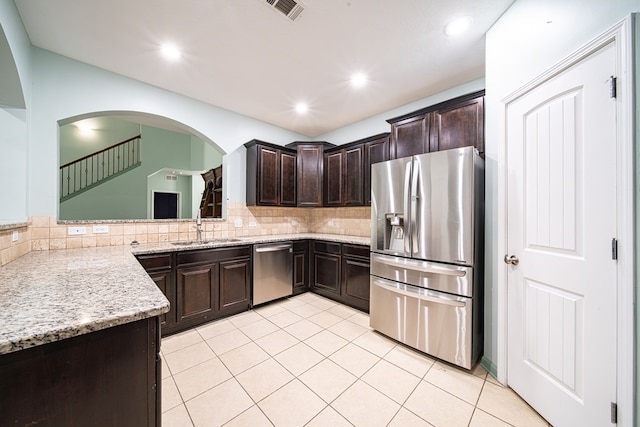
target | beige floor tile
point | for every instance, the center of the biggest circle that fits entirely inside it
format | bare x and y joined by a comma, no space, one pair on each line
406,418
482,419
303,329
342,311
244,319
201,378
375,343
277,342
183,359
328,417
323,303
177,417
166,372
325,319
460,383
438,407
170,395
306,310
292,405
493,380
325,342
269,309
307,297
361,319
292,303
354,359
180,341
214,329
299,358
505,404
479,371
394,382
327,380
206,410
259,329
263,379
252,417
242,358
228,341
410,360
348,330
362,405
284,319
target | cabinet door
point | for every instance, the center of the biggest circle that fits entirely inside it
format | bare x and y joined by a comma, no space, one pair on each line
195,299
300,267
355,282
410,137
234,286
326,272
287,179
459,125
333,179
352,176
310,165
163,279
268,176
374,152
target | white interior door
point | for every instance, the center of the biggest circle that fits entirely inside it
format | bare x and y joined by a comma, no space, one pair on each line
561,213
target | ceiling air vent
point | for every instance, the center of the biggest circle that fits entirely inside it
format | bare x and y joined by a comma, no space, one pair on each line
171,177
289,8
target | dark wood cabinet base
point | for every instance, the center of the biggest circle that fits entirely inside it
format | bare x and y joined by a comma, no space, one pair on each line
105,378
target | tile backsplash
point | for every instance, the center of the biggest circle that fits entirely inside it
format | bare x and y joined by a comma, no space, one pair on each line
44,233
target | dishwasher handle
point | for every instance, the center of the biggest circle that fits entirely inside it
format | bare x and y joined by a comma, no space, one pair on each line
274,248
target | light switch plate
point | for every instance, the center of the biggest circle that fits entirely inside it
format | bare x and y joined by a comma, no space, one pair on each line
100,229
238,222
253,224
15,236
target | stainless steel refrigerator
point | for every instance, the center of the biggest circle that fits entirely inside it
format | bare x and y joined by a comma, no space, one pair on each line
427,215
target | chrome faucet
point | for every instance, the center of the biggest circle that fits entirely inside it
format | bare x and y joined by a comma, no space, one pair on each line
199,227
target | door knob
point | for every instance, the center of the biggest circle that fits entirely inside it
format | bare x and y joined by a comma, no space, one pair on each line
513,260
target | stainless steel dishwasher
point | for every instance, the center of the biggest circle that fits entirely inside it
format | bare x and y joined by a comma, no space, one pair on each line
272,271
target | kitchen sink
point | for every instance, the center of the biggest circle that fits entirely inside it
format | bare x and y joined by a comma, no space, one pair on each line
203,242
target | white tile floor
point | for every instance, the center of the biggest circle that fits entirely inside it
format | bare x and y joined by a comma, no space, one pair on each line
308,361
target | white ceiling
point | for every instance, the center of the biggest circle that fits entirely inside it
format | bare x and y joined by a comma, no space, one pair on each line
249,58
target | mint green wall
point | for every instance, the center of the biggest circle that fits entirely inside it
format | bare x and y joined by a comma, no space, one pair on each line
14,122
181,186
128,196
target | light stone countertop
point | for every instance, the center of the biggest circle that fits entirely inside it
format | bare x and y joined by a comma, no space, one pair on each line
46,296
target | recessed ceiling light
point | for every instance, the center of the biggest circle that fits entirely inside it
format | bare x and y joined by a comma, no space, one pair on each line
458,26
301,108
170,51
358,80
84,127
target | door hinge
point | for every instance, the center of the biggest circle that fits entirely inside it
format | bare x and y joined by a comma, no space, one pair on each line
614,249
613,90
614,413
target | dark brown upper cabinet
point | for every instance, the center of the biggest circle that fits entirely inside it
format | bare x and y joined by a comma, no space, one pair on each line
309,172
347,174
271,174
456,123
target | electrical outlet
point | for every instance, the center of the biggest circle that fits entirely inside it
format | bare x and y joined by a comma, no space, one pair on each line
332,224
15,236
294,222
238,222
253,224
74,231
100,229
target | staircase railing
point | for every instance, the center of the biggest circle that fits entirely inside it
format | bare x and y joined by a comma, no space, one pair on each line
91,170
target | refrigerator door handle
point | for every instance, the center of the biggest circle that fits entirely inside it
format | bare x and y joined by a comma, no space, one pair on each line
414,206
407,204
437,299
423,266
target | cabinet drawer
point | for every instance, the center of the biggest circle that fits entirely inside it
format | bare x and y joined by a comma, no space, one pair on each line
155,262
327,247
355,250
208,255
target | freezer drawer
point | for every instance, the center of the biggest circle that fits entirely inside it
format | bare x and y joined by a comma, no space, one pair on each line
433,322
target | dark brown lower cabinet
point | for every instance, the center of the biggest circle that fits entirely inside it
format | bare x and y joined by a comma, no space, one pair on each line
105,378
341,272
355,276
201,285
300,266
